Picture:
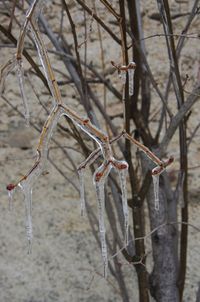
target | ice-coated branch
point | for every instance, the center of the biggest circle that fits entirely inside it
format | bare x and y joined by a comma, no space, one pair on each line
81,174
161,165
59,109
44,59
20,43
96,153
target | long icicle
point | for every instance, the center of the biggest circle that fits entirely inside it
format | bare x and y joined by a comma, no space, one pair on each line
10,190
99,185
20,75
27,190
81,174
156,190
122,175
131,81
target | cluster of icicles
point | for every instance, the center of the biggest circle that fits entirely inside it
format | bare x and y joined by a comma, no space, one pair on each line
101,174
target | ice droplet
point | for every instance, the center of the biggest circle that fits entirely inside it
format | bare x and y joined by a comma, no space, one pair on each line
20,74
101,208
27,191
122,176
131,81
81,174
156,190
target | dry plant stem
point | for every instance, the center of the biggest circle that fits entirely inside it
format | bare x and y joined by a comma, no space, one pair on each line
73,27
110,210
12,15
86,35
178,88
125,95
144,78
179,47
99,20
111,9
144,238
137,212
189,36
141,123
121,21
174,124
103,66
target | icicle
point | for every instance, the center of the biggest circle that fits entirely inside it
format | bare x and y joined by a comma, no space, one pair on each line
20,74
122,175
10,199
41,49
131,81
122,76
81,173
101,207
27,190
156,190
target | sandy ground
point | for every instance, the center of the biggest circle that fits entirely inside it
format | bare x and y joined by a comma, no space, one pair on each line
65,264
